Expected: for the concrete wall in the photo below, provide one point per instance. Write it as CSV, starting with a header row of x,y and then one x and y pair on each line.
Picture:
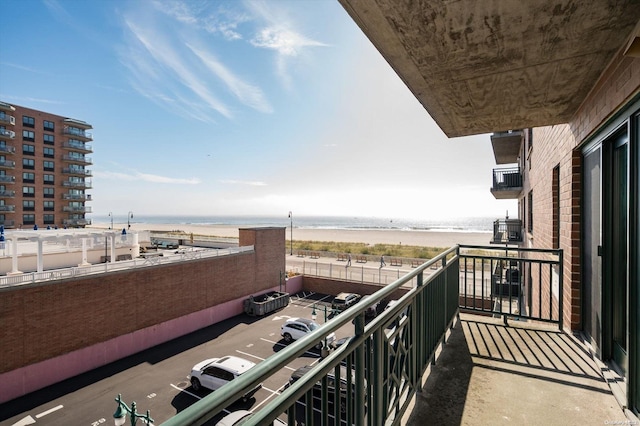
x,y
58,329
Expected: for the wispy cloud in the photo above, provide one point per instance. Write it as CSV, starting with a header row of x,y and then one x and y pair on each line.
x,y
248,94
29,100
24,68
147,177
243,182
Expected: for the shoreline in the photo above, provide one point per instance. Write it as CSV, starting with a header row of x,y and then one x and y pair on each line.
x,y
422,238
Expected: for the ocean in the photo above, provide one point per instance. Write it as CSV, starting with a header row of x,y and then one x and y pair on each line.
x,y
468,224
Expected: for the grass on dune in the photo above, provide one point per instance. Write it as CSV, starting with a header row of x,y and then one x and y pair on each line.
x,y
396,250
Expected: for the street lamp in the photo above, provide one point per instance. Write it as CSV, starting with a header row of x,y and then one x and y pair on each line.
x,y
291,245
111,216
314,315
120,416
129,216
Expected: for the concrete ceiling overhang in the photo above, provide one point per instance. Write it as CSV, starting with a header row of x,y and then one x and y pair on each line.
x,y
485,66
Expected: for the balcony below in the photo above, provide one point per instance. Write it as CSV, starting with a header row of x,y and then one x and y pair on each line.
x,y
507,183
506,146
7,134
507,231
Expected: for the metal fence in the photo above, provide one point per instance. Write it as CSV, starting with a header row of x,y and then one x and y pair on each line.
x,y
381,365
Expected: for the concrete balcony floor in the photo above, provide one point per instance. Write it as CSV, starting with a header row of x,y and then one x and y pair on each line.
x,y
491,374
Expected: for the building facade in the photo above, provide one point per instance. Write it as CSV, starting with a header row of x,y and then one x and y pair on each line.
x,y
43,169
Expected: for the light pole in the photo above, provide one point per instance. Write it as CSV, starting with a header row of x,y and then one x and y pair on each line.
x,y
120,416
111,216
129,216
314,315
291,245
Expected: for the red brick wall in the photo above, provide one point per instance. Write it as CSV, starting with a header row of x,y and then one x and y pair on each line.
x,y
560,145
42,321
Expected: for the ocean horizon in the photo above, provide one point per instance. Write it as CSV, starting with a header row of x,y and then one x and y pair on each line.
x,y
463,224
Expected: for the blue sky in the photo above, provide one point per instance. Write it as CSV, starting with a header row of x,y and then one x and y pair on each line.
x,y
239,108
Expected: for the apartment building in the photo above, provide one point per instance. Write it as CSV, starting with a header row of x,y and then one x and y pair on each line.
x,y
557,84
43,169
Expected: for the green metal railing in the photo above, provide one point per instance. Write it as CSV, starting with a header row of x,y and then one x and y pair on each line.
x,y
382,364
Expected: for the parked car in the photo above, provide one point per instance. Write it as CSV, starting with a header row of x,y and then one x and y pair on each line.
x,y
332,392
216,372
296,328
240,417
372,309
344,301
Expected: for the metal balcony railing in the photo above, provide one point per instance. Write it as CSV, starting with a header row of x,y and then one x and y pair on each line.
x,y
7,179
75,184
77,209
76,222
79,145
77,159
507,183
6,118
74,131
386,359
507,231
7,208
8,149
7,164
5,193
76,197
7,133
76,171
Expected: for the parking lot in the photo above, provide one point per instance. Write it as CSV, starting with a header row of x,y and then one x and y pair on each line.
x,y
158,379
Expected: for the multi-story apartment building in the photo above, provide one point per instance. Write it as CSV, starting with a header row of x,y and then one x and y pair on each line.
x,y
43,169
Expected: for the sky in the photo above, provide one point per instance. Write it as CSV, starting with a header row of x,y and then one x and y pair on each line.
x,y
252,108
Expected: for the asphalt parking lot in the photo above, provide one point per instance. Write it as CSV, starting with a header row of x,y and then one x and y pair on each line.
x,y
158,379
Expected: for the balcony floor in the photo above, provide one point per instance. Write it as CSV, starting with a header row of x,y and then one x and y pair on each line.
x,y
491,374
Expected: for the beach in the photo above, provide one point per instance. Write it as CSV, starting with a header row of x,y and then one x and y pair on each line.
x,y
422,238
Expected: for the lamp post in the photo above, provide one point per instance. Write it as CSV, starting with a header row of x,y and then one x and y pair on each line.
x,y
111,216
291,245
129,216
120,416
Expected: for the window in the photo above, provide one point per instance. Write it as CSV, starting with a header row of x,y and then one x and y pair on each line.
x,y
49,219
49,126
28,219
28,205
28,163
530,215
48,166
28,177
28,149
28,135
48,193
28,191
49,206
555,189
28,121
49,139
49,152
49,179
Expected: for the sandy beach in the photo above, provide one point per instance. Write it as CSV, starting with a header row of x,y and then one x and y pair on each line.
x,y
412,238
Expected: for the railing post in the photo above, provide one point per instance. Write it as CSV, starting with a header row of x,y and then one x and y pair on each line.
x,y
360,362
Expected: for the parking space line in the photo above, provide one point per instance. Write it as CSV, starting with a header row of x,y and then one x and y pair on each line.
x,y
317,301
195,396
261,359
44,413
273,393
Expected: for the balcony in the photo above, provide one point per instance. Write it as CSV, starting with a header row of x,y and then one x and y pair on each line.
x,y
78,133
5,193
69,196
77,209
7,179
77,171
8,149
7,164
77,145
506,146
505,363
507,231
7,223
7,134
507,183
79,159
7,119
7,208
77,184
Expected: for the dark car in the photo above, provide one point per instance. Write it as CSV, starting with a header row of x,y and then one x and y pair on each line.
x,y
344,300
316,392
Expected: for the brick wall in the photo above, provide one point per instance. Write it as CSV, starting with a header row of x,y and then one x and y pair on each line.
x,y
43,321
559,145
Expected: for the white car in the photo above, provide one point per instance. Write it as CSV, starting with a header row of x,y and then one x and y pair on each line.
x,y
240,417
296,328
214,373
